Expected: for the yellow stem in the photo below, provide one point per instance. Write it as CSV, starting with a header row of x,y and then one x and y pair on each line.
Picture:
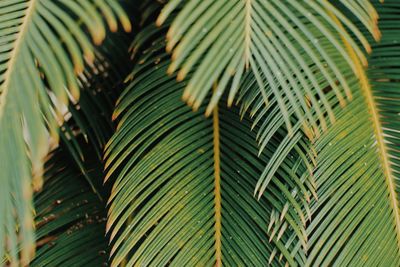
x,y
27,251
247,38
378,130
217,189
14,55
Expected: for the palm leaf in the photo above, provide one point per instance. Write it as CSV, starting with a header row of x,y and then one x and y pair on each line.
x,y
70,219
356,181
194,204
354,223
279,59
278,42
70,212
356,220
89,120
33,60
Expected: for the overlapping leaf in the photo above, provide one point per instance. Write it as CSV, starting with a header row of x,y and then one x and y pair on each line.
x,y
277,41
70,212
279,59
356,219
42,49
70,219
183,190
89,120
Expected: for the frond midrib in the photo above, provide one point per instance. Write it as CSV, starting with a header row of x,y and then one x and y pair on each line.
x,y
382,149
248,30
14,55
217,189
378,134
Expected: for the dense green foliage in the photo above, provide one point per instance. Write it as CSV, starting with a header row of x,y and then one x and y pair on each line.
x,y
199,133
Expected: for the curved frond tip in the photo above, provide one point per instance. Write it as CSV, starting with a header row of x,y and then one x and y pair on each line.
x,y
222,40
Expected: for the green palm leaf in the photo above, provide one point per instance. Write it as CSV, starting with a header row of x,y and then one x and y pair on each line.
x,y
280,59
354,223
278,42
70,219
70,212
356,219
89,120
194,204
42,47
294,174
356,183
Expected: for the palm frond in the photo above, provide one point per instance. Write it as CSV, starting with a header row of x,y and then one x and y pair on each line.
x,y
356,220
70,212
89,120
70,219
279,42
194,204
354,223
279,59
384,77
43,47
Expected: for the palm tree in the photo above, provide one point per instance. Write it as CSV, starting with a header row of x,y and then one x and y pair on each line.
x,y
284,150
